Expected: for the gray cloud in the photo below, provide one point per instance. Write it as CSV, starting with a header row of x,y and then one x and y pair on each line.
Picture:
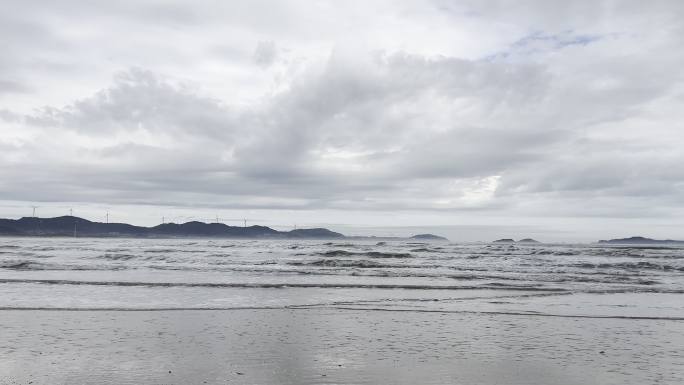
x,y
578,118
265,53
13,86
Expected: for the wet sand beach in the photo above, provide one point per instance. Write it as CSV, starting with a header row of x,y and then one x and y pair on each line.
x,y
142,311
316,346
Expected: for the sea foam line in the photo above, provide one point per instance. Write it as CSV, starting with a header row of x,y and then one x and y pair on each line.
x,y
277,285
344,308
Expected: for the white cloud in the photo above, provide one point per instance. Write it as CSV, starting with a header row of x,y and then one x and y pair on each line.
x,y
545,109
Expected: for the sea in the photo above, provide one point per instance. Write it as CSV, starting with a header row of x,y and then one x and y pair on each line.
x,y
560,297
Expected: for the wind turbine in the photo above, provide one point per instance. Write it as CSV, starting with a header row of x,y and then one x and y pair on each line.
x,y
243,220
36,229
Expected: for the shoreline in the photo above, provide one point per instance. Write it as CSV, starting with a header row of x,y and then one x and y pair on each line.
x,y
342,308
323,345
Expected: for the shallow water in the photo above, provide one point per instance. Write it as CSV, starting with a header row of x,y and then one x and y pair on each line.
x,y
79,310
583,280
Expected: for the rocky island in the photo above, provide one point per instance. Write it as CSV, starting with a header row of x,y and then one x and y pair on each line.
x,y
510,240
640,241
504,240
428,237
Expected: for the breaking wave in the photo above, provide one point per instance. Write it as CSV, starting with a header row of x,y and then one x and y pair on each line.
x,y
370,254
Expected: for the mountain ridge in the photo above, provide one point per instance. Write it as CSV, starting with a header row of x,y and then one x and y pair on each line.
x,y
70,226
75,226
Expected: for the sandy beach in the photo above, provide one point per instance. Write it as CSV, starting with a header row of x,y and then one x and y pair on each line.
x,y
136,311
332,346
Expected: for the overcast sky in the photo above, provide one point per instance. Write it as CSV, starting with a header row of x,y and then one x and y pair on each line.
x,y
560,119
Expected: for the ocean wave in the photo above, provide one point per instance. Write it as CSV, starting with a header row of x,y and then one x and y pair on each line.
x,y
426,250
340,244
635,252
167,251
629,266
118,257
38,266
642,247
565,253
379,254
359,263
42,248
21,265
261,285
224,262
370,254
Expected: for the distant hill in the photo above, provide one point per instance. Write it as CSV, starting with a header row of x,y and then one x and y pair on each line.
x,y
75,226
428,237
313,233
509,240
640,241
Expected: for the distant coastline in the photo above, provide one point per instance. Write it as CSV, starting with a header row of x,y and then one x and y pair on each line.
x,y
71,226
640,241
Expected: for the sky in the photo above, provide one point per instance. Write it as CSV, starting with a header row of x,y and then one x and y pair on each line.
x,y
560,120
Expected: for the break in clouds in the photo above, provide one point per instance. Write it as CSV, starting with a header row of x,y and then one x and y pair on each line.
x,y
448,108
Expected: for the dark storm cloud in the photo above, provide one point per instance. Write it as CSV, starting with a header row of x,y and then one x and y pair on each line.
x,y
544,109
